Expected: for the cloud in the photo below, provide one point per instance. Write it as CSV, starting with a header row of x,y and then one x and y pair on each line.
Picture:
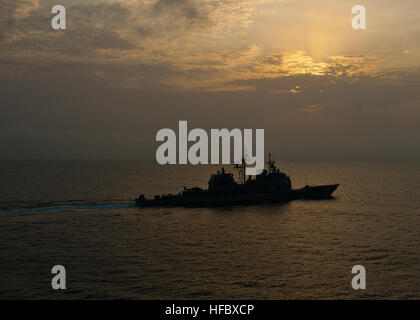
x,y
201,42
121,62
100,15
313,108
189,9
21,8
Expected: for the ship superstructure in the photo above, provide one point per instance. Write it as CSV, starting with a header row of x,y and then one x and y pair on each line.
x,y
271,185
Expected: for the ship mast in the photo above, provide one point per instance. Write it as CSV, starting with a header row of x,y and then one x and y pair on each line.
x,y
241,167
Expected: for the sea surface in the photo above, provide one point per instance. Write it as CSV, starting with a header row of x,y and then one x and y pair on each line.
x,y
80,214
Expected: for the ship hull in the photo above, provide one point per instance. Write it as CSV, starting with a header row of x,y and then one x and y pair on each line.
x,y
210,199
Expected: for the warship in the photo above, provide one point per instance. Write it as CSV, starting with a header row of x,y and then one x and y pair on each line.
x,y
271,185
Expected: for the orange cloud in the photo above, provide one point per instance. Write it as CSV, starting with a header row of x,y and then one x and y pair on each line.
x,y
313,108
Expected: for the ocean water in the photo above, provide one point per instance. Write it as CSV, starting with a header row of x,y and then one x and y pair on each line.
x,y
80,214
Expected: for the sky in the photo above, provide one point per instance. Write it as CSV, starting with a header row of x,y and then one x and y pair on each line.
x,y
123,69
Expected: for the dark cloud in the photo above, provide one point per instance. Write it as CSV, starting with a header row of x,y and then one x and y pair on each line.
x,y
107,15
276,59
182,13
188,8
7,20
89,27
74,43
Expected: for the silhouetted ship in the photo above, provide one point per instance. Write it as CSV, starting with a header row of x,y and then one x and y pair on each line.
x,y
269,186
